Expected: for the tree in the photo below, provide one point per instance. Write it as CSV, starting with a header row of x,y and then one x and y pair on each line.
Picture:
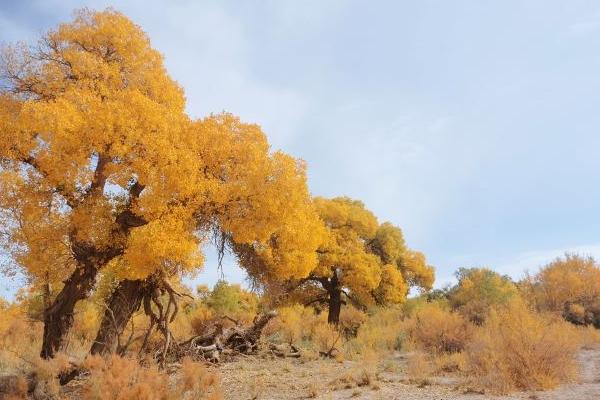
x,y
569,285
477,290
259,203
361,260
88,114
226,298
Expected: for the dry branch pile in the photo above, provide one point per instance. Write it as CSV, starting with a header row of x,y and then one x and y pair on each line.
x,y
218,342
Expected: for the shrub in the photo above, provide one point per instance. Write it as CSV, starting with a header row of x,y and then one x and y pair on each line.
x,y
383,331
351,320
231,300
438,330
19,338
124,379
518,349
327,338
200,317
570,286
294,324
419,368
477,290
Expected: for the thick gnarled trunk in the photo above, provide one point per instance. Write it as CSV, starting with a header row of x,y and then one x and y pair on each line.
x,y
335,305
124,301
58,317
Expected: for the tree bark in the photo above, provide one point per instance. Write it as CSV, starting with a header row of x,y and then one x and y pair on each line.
x,y
124,301
58,317
335,305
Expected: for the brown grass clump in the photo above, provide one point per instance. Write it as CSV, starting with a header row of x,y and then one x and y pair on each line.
x,y
437,330
124,379
362,376
450,362
327,338
419,368
518,349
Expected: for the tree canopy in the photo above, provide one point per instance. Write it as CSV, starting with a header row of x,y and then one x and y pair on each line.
x,y
366,261
102,166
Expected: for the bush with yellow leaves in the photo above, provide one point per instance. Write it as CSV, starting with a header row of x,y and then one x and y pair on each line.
x,y
382,332
519,349
19,337
436,329
119,378
294,325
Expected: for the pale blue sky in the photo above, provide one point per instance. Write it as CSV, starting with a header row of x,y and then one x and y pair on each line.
x,y
474,125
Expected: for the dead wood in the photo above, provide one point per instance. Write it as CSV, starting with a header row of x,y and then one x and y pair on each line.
x,y
218,341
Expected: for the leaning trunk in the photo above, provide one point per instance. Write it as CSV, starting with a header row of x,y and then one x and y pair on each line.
x,y
58,317
124,301
335,305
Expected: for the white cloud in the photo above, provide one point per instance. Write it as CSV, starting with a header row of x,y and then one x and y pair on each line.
x,y
531,261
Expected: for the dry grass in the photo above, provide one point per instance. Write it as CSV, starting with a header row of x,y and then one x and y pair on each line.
x,y
419,368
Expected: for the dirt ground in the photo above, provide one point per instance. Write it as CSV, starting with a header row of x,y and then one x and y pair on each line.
x,y
254,378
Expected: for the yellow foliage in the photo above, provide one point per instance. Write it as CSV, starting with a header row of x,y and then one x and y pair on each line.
x,y
416,270
295,324
438,330
477,290
365,258
101,160
518,349
351,319
569,285
166,243
124,379
381,333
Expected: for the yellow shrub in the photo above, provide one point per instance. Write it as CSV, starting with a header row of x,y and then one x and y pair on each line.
x,y
294,324
86,322
437,330
124,379
20,338
327,337
518,349
351,320
450,362
419,368
382,332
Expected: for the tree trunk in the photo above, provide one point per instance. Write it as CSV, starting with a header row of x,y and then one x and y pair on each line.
x,y
58,318
124,301
335,305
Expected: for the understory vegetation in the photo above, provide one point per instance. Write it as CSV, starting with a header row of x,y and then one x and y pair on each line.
x,y
109,192
515,343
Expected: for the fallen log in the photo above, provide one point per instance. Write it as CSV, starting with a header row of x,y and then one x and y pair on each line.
x,y
211,345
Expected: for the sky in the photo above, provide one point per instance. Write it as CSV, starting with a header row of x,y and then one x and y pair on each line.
x,y
472,125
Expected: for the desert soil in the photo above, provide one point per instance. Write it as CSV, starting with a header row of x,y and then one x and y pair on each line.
x,y
255,378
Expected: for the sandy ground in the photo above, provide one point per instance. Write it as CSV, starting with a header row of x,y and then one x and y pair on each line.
x,y
255,378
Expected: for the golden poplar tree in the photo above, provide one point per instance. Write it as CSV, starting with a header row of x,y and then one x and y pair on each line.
x,y
362,260
102,168
258,201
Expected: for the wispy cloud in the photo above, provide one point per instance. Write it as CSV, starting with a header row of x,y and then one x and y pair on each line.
x,y
531,261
